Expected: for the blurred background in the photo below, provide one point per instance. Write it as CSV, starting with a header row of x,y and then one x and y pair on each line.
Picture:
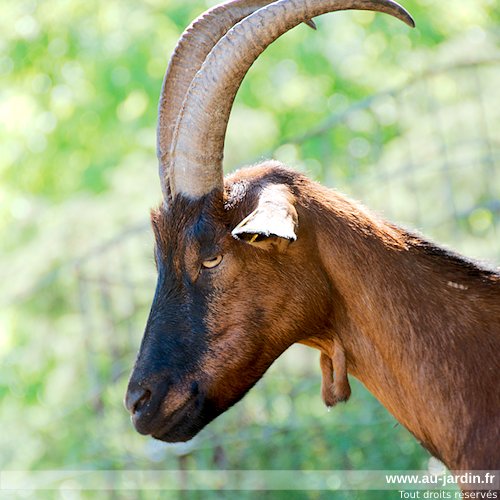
x,y
407,121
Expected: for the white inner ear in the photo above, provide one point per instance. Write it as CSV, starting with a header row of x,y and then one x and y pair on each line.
x,y
275,215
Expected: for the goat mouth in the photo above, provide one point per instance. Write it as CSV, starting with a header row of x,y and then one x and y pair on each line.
x,y
183,424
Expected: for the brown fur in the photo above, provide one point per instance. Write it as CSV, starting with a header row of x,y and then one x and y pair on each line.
x,y
418,326
424,347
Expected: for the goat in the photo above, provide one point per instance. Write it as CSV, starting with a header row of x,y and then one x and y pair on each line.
x,y
265,258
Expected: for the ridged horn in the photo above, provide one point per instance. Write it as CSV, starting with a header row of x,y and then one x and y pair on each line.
x,y
198,141
192,48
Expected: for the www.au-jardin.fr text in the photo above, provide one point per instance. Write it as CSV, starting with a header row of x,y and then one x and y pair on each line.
x,y
466,479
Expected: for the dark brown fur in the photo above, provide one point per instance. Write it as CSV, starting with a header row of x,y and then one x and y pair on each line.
x,y
417,325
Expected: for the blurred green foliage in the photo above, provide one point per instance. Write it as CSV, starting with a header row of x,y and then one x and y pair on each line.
x,y
80,83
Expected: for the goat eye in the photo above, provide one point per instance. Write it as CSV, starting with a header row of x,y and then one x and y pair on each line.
x,y
211,263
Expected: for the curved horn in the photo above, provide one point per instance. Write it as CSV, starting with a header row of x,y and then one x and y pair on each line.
x,y
192,48
198,142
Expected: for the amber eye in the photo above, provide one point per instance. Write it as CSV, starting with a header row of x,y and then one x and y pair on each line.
x,y
211,263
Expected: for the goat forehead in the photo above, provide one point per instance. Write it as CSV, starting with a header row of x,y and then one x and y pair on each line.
x,y
170,226
172,233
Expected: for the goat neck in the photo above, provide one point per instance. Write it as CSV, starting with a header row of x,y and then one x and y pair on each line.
x,y
415,323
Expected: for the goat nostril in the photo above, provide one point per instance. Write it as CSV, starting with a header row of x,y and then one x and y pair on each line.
x,y
137,399
142,401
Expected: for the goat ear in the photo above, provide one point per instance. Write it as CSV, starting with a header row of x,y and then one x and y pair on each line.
x,y
273,223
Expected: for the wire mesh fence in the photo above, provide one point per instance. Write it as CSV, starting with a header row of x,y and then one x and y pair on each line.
x,y
426,155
